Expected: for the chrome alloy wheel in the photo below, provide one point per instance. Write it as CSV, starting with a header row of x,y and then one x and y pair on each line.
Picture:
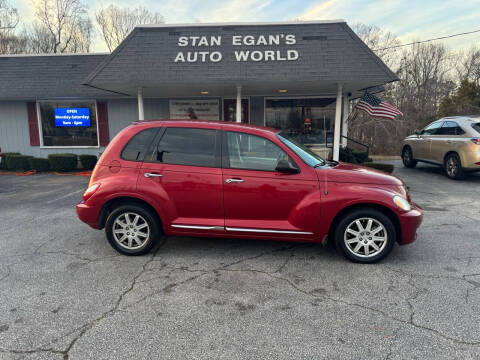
x,y
365,237
452,166
130,230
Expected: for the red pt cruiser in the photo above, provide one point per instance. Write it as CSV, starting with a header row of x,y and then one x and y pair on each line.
x,y
220,179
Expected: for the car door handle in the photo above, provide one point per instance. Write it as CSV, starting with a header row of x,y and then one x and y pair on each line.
x,y
147,175
228,181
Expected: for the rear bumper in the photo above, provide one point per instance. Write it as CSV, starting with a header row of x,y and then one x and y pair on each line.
x,y
88,214
410,221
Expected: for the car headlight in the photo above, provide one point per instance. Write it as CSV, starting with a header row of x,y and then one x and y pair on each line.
x,y
402,203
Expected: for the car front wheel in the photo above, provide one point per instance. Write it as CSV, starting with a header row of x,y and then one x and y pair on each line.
x,y
132,229
365,235
453,167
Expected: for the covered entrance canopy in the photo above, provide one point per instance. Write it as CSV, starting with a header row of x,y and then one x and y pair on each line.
x,y
293,60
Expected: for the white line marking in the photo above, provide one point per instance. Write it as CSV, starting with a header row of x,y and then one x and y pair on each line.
x,y
64,196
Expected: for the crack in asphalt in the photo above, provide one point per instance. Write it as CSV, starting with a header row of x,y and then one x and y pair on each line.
x,y
203,272
411,322
473,283
82,330
392,341
225,268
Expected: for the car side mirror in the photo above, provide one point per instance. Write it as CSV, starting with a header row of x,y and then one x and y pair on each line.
x,y
285,167
418,132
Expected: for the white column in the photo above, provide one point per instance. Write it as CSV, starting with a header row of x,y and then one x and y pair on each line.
x,y
338,118
346,112
141,112
239,104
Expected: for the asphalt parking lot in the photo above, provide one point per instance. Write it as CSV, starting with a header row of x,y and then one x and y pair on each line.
x,y
65,293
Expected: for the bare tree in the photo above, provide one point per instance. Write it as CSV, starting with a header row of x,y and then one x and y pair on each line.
x,y
62,26
8,16
116,22
10,42
467,65
380,41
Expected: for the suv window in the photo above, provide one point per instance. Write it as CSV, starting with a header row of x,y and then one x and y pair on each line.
x,y
432,128
137,146
476,127
187,146
251,152
450,128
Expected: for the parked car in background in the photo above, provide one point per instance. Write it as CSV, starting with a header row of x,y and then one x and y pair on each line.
x,y
221,179
451,142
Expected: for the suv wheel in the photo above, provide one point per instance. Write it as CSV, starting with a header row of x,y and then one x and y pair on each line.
x,y
407,157
132,229
453,167
365,235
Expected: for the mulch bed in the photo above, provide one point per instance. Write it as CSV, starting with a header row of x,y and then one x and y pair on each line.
x,y
33,172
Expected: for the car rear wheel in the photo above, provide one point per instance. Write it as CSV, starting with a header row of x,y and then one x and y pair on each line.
x,y
453,167
132,229
365,235
407,157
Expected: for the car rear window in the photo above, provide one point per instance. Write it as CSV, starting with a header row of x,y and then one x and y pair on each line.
x,y
476,127
138,145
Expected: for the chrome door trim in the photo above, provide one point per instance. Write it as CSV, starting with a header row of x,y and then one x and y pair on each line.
x,y
197,227
269,231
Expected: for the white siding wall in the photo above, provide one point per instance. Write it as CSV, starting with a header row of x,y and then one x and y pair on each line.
x,y
121,113
14,134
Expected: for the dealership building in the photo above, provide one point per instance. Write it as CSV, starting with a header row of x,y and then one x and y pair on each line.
x,y
295,76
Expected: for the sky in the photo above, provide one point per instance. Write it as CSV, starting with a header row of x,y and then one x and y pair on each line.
x,y
409,20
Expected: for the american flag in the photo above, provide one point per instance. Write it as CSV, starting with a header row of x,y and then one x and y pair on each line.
x,y
375,107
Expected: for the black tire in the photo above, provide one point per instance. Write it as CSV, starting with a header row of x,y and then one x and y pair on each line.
x,y
407,157
453,167
145,217
363,214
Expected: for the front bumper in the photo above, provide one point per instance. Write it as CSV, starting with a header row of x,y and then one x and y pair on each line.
x,y
88,214
409,222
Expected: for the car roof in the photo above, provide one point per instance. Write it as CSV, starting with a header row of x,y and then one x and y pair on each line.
x,y
460,118
225,125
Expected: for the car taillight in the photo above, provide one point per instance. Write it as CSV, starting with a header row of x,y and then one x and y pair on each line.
x,y
90,191
476,141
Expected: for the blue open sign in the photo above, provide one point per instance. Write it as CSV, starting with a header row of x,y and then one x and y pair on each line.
x,y
72,117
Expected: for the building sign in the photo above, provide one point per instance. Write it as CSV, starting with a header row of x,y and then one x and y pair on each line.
x,y
194,109
210,48
72,117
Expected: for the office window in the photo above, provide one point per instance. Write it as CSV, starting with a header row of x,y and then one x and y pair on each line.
x,y
68,124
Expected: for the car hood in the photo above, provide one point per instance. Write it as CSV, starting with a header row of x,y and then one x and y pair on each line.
x,y
350,173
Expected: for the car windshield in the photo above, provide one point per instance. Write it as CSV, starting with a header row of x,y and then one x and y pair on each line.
x,y
307,155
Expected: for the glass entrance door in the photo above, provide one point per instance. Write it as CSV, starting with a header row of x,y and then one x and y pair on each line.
x,y
230,110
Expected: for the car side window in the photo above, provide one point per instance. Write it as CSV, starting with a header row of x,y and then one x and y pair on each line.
x,y
432,128
187,146
450,128
251,152
476,127
137,146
